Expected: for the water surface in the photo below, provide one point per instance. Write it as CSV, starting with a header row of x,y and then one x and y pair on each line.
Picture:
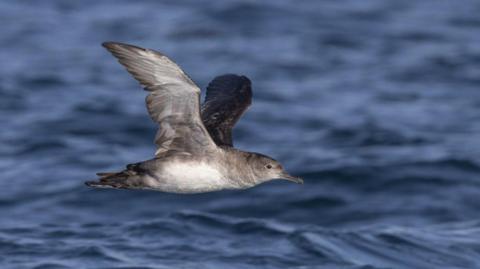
x,y
375,103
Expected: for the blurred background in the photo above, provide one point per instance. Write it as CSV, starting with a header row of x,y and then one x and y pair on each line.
x,y
375,103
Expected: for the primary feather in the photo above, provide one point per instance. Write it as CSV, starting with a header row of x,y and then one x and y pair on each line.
x,y
173,102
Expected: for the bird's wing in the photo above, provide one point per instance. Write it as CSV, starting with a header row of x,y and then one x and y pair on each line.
x,y
173,100
228,97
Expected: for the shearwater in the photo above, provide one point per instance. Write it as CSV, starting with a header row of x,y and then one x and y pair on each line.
x,y
195,151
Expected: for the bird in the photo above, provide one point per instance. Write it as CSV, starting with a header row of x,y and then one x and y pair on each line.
x,y
195,151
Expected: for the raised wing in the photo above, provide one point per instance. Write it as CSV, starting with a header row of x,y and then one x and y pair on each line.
x,y
228,96
173,102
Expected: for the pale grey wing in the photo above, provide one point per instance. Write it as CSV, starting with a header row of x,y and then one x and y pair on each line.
x,y
228,97
173,102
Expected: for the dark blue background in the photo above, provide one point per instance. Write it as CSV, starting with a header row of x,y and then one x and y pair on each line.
x,y
375,103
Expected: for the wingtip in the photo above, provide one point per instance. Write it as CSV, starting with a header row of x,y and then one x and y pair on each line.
x,y
243,79
108,44
112,45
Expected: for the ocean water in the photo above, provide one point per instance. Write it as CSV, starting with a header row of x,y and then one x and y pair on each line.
x,y
376,104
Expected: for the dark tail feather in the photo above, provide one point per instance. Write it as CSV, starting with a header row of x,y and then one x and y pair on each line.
x,y
110,180
128,178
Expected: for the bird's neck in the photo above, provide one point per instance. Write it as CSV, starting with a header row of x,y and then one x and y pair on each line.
x,y
237,167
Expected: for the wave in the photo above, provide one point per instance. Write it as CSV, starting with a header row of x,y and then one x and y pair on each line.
x,y
190,237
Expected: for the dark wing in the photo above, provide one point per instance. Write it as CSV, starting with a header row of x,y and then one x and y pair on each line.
x,y
228,96
173,101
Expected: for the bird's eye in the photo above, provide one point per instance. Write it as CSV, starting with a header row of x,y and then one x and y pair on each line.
x,y
268,166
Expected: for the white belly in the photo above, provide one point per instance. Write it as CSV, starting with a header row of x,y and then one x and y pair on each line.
x,y
190,178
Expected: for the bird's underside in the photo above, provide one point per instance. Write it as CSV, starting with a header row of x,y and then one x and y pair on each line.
x,y
194,143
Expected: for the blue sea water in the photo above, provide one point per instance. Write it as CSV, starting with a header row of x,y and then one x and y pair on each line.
x,y
376,104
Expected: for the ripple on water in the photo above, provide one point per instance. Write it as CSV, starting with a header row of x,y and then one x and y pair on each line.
x,y
373,104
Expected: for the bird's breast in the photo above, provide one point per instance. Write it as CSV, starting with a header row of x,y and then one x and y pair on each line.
x,y
190,177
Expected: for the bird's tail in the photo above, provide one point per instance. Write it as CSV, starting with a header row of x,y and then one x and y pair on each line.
x,y
109,180
119,180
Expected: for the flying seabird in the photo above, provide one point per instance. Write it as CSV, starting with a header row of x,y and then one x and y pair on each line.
x,y
195,150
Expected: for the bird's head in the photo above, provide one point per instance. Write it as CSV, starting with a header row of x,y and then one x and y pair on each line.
x,y
266,169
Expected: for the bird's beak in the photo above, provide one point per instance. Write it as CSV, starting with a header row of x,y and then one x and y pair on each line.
x,y
292,178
